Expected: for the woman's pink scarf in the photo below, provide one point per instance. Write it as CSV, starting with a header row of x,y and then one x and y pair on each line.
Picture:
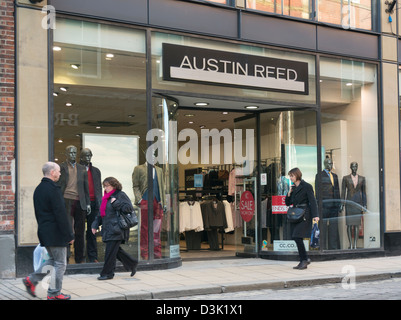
x,y
104,202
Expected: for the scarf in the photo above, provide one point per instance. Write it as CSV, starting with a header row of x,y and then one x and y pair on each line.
x,y
104,202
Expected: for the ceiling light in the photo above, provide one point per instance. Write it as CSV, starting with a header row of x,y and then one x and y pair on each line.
x,y
60,140
189,115
75,66
202,126
251,107
55,94
56,48
109,55
190,122
348,84
68,104
63,89
225,112
201,104
98,127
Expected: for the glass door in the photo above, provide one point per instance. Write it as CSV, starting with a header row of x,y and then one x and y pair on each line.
x,y
245,189
287,140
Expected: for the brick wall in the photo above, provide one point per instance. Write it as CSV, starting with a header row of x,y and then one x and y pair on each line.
x,y
7,115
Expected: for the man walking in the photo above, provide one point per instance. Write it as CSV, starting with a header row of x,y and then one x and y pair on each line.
x,y
54,232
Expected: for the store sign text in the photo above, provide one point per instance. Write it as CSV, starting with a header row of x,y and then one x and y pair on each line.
x,y
189,64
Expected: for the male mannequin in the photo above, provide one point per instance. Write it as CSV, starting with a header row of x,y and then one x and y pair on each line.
x,y
95,195
353,189
74,187
140,188
330,194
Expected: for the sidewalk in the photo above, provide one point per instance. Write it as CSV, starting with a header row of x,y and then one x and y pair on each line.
x,y
210,277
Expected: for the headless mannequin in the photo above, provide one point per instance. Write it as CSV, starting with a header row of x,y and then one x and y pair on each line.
x,y
353,230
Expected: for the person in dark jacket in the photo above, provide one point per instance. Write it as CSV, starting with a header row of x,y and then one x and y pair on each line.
x,y
114,201
301,194
54,233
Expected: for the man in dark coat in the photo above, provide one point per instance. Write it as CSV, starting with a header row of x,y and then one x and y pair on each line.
x,y
54,233
95,195
331,205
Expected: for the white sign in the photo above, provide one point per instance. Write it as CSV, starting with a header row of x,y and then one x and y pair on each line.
x,y
288,245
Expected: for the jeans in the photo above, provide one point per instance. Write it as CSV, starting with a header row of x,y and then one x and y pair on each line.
x,y
55,266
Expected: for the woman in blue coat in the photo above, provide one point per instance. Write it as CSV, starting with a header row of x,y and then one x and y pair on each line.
x,y
301,193
113,201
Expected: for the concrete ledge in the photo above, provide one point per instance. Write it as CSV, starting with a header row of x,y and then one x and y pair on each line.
x,y
186,291
105,296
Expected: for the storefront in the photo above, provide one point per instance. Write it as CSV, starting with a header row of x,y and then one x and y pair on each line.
x,y
223,120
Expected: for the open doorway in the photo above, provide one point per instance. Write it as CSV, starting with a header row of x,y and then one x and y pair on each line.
x,y
207,190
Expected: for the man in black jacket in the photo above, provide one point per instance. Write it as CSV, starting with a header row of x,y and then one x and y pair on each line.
x,y
54,233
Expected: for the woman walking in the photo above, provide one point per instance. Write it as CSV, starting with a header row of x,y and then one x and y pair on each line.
x,y
114,201
301,194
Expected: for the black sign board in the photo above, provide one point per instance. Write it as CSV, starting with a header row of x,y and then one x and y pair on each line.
x,y
190,64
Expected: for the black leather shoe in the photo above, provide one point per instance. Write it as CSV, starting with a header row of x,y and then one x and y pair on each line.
x,y
303,265
104,277
133,271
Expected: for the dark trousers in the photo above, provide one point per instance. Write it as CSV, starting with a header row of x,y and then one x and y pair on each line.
x,y
91,244
114,252
77,217
301,249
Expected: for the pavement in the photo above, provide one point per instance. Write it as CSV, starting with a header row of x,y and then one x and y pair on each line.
x,y
211,277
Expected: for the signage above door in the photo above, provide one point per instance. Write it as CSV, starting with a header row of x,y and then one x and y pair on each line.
x,y
191,64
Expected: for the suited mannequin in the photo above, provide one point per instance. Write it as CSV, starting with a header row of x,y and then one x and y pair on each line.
x,y
353,189
95,195
140,188
74,187
330,195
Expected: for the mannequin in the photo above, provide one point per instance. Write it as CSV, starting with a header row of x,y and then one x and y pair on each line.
x,y
330,194
74,187
140,188
95,195
353,189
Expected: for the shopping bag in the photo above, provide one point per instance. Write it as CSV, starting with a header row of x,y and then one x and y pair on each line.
x,y
40,255
314,241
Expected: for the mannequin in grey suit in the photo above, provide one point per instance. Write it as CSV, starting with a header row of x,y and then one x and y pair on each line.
x,y
354,190
74,187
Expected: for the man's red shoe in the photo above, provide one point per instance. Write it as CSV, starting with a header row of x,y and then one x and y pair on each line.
x,y
30,287
61,296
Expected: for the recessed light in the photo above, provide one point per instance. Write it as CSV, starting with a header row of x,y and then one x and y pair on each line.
x,y
98,127
63,89
202,126
348,84
189,115
225,112
60,140
56,48
75,66
131,115
201,104
251,107
190,122
109,55
55,94
68,104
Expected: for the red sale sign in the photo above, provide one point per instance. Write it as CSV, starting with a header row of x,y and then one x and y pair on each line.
x,y
278,205
247,206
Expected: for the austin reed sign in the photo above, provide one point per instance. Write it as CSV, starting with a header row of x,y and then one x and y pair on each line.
x,y
190,64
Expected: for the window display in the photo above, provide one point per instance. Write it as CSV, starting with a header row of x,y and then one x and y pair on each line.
x,y
349,111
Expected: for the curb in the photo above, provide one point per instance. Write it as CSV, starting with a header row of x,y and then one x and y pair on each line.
x,y
236,287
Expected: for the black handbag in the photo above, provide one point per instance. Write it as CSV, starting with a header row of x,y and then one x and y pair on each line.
x,y
127,220
296,214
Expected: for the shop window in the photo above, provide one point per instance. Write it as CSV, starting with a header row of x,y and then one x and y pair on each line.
x,y
100,104
349,125
298,8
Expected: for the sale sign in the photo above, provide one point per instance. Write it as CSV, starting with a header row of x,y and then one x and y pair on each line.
x,y
278,205
247,206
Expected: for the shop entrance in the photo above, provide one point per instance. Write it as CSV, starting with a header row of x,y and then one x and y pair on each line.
x,y
212,223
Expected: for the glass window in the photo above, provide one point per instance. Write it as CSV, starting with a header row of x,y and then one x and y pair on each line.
x,y
354,14
349,119
100,104
288,140
300,8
